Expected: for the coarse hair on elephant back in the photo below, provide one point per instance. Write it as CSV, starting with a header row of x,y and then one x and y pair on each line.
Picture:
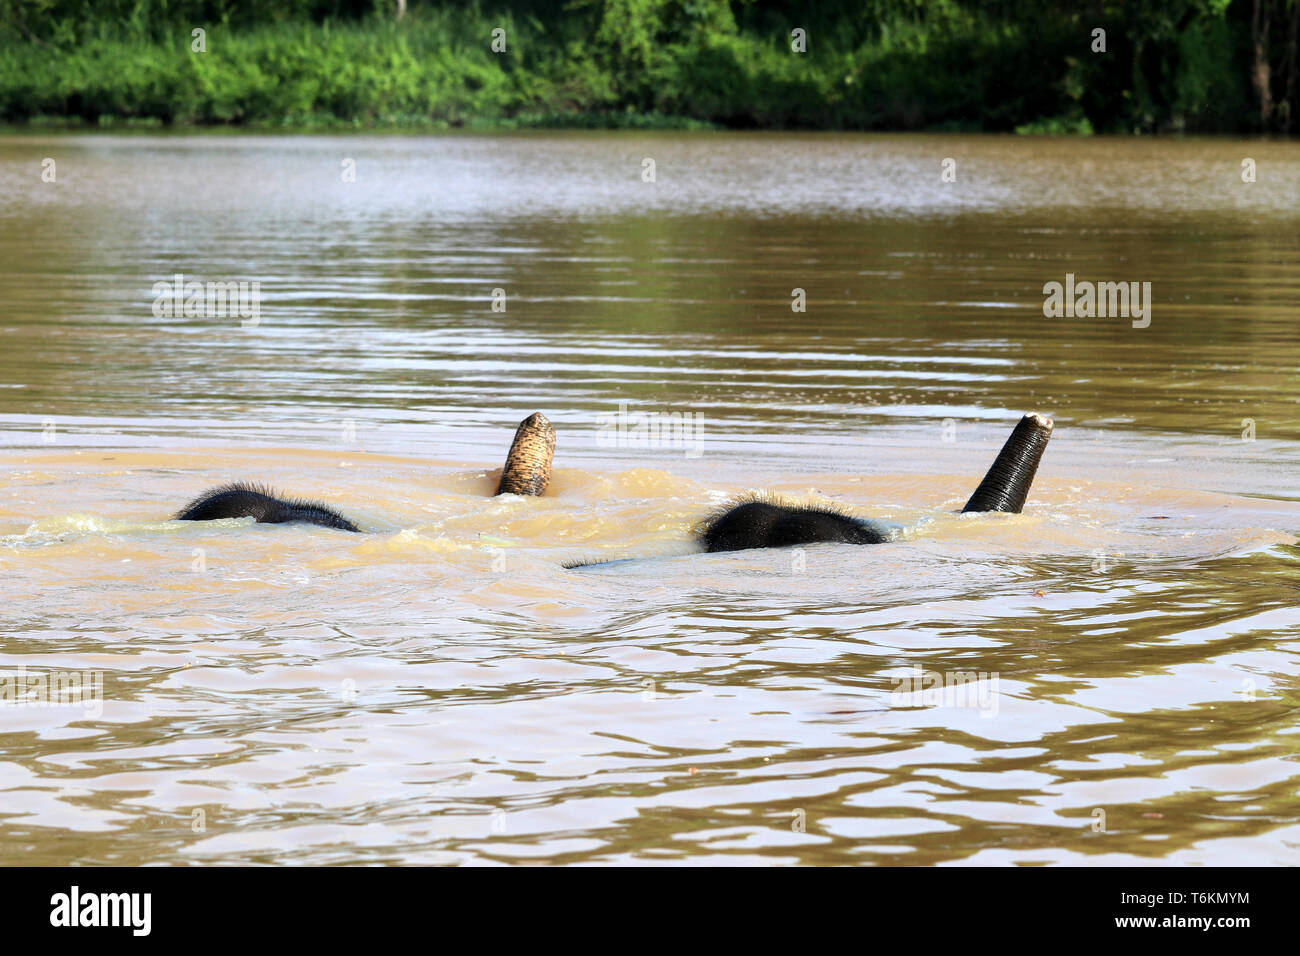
x,y
768,521
242,500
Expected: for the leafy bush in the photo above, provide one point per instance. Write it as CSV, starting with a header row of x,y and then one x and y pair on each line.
x,y
869,64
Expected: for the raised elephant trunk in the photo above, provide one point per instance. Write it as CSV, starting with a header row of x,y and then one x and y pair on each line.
x,y
528,465
1006,485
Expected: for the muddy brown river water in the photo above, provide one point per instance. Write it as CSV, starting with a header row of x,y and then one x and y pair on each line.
x,y
1111,677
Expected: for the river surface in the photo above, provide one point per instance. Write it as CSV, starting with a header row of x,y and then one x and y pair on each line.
x,y
1112,677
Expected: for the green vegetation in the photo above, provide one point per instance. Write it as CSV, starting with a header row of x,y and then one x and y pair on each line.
x,y
997,65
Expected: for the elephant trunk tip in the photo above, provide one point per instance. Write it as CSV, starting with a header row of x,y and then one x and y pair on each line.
x,y
527,469
1006,485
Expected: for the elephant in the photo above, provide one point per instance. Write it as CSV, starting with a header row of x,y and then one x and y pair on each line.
x,y
757,522
527,471
242,500
751,522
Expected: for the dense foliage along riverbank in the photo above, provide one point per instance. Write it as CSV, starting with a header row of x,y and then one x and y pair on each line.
x,y
1167,65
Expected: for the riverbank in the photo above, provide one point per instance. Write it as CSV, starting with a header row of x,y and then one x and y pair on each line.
x,y
613,65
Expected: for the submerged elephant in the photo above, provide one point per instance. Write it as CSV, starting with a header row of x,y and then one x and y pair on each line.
x,y
527,471
241,500
756,522
751,523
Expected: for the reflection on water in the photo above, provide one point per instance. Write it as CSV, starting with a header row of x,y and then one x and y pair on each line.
x,y
442,689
